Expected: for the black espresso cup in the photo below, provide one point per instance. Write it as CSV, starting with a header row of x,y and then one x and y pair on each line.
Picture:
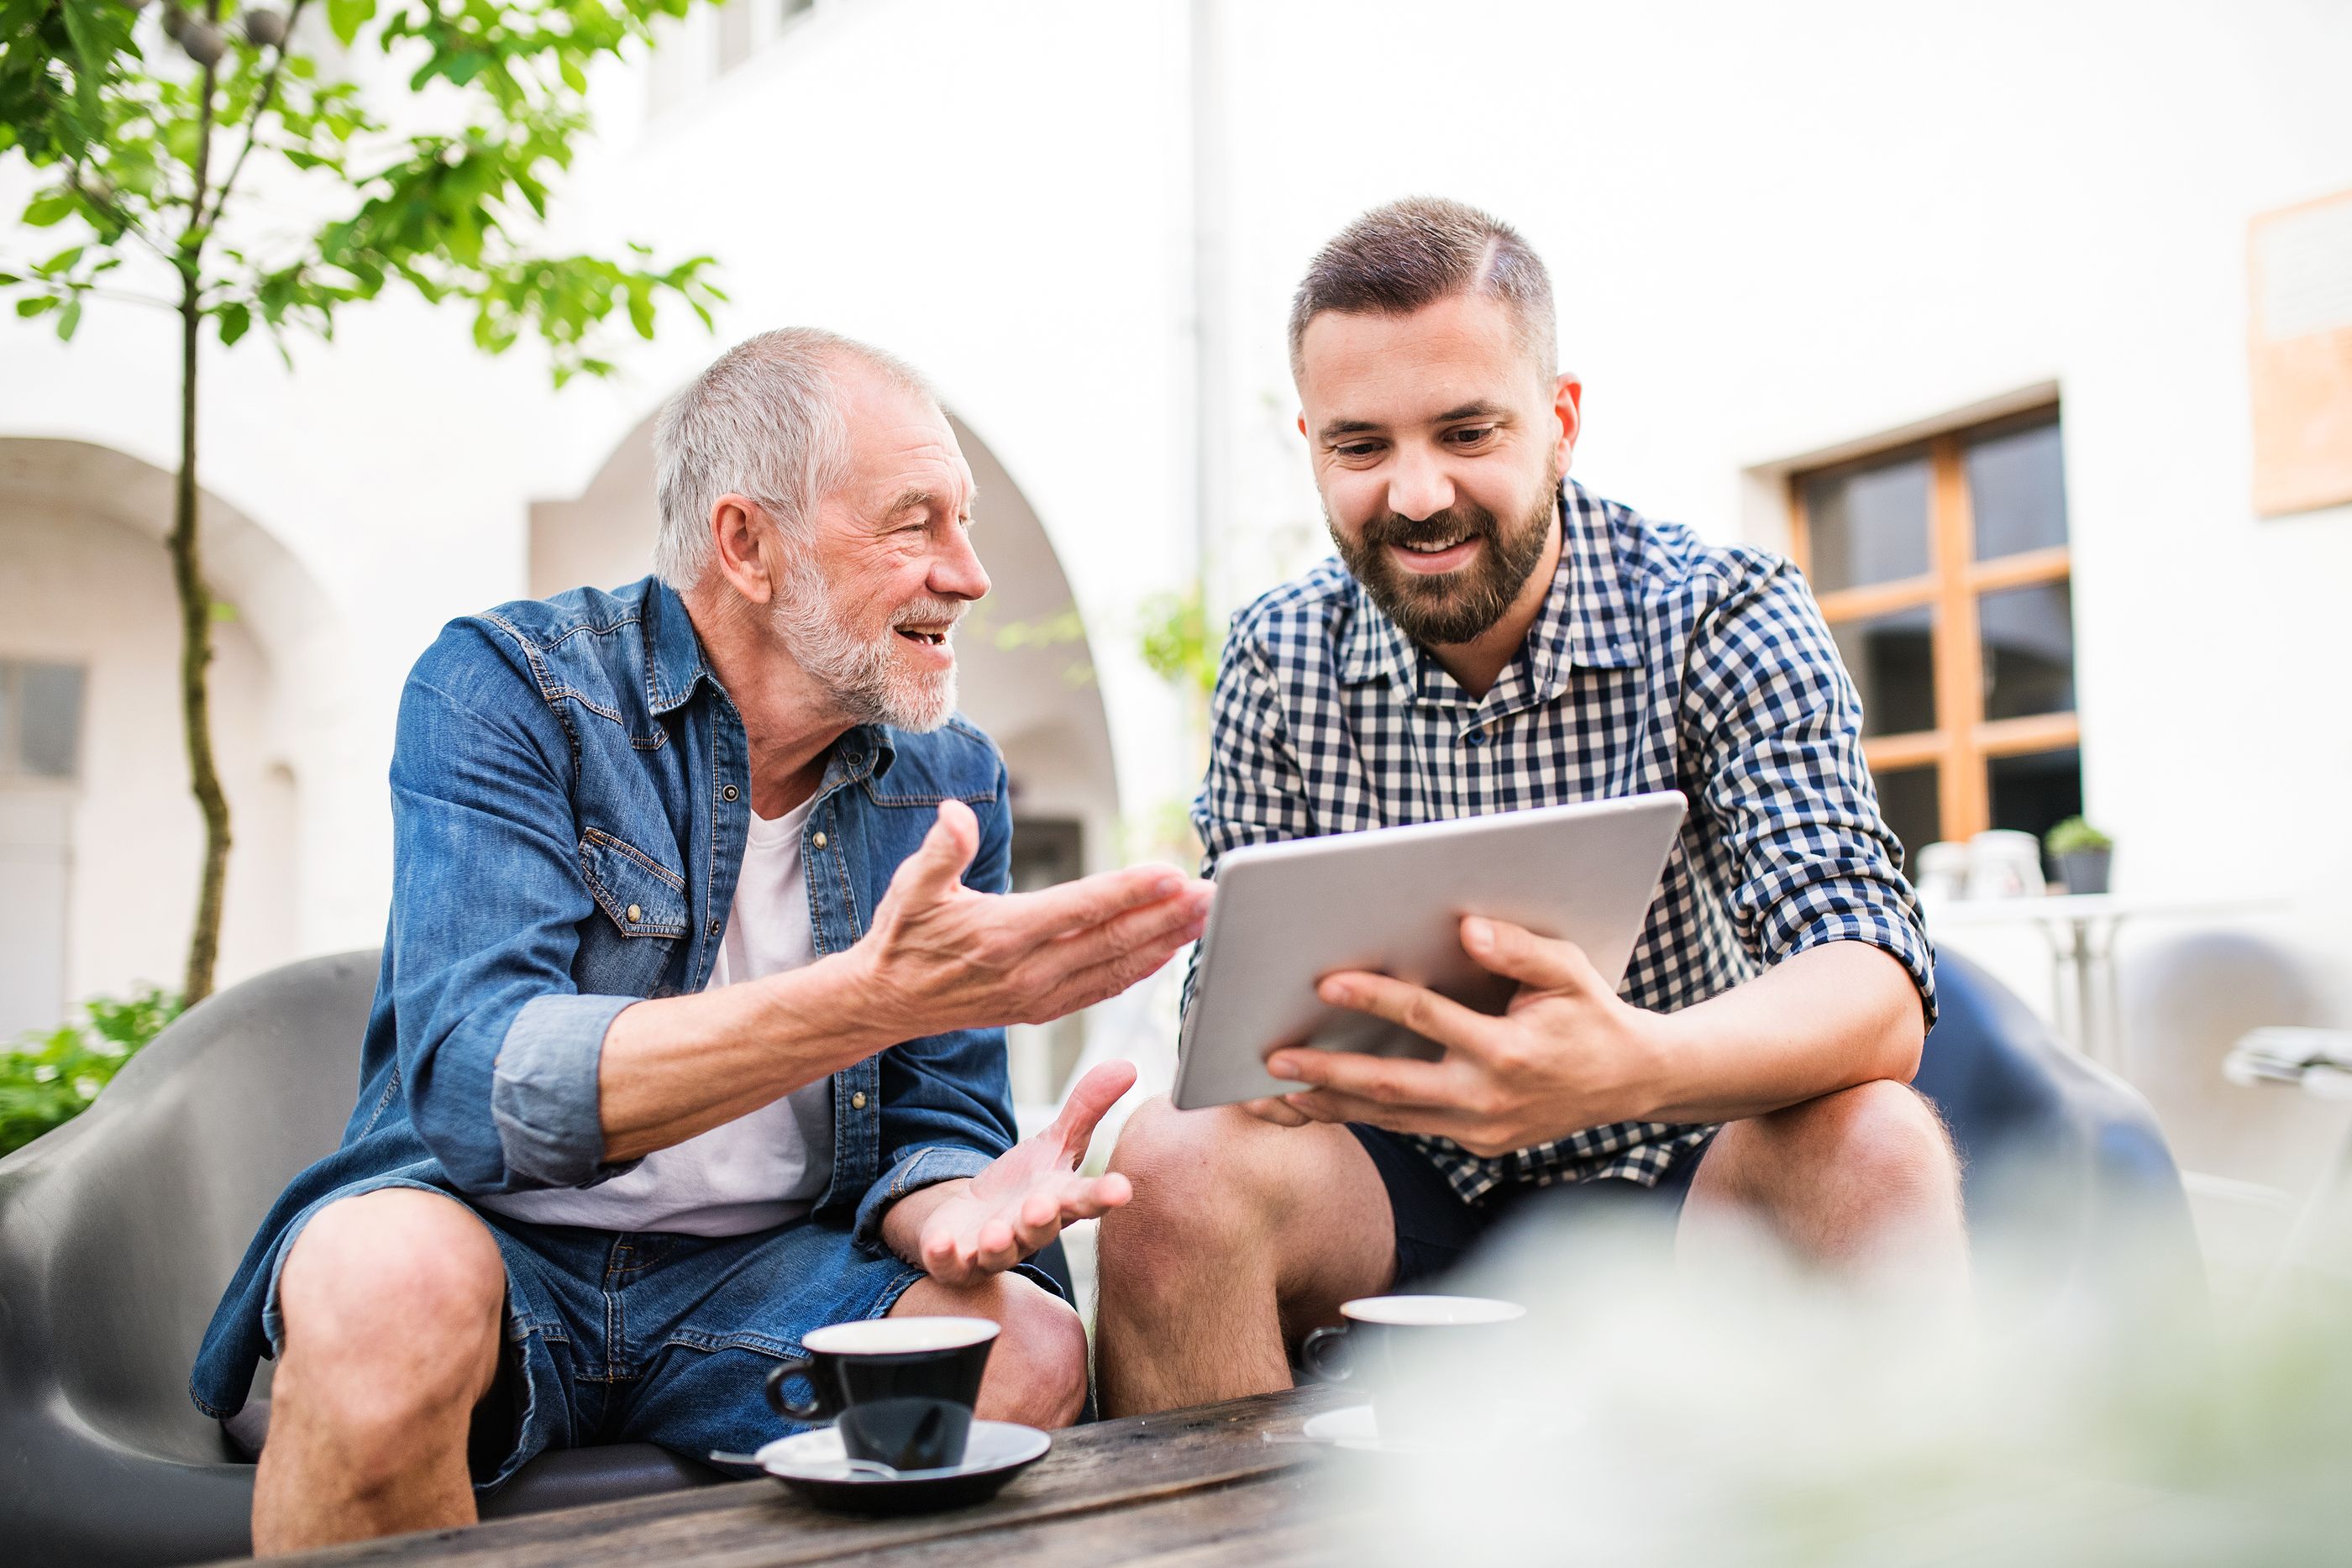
x,y
900,1390
1427,1362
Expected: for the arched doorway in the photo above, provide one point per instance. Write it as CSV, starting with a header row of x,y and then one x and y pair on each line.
x,y
1025,675
97,834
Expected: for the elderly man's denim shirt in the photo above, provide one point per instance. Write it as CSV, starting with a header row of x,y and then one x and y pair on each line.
x,y
570,794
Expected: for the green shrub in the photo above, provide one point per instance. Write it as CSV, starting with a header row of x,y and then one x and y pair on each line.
x,y
49,1078
2074,835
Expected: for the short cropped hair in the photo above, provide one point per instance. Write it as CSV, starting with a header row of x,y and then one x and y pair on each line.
x,y
1397,259
763,421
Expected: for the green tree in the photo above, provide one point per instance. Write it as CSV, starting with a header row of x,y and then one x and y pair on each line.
x,y
170,144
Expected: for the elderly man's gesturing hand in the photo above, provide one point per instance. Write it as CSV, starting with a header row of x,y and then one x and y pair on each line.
x,y
959,1230
942,956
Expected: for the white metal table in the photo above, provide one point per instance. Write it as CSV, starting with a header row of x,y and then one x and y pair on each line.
x,y
2081,928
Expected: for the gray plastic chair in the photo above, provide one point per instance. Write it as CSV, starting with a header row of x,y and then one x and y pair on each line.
x,y
118,1233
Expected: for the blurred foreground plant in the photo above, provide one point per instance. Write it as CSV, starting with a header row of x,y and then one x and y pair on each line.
x,y
231,165
48,1080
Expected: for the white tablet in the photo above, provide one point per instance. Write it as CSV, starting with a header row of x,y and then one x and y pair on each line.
x,y
1391,901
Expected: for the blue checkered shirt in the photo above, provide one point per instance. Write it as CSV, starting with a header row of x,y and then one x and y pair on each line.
x,y
1659,662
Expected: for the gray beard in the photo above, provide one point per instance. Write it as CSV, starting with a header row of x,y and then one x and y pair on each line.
x,y
859,675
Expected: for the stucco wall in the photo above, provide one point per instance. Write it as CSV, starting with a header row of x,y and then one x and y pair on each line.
x,y
1772,228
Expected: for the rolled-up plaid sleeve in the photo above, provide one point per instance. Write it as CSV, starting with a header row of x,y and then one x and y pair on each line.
x,y
1772,753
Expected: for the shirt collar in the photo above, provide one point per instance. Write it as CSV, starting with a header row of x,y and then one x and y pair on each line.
x,y
1587,619
674,661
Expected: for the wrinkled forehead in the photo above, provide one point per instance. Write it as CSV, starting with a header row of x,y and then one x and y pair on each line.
x,y
1396,370
899,442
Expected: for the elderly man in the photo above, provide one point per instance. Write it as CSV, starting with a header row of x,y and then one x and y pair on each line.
x,y
1494,637
688,1036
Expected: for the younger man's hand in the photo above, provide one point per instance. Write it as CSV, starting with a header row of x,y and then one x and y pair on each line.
x,y
1567,1054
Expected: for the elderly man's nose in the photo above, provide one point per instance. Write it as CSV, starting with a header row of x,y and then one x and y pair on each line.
x,y
956,572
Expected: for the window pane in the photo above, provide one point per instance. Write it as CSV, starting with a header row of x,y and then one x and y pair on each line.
x,y
2034,794
1892,660
2017,491
1867,524
2029,650
1906,798
49,712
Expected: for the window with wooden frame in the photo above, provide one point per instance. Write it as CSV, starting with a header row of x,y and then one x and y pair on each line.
x,y
1943,568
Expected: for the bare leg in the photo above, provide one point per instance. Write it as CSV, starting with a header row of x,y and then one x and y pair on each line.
x,y
1862,1181
1242,1236
393,1304
1037,1368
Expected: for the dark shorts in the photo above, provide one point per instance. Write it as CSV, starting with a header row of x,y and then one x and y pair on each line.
x,y
1436,1228
639,1337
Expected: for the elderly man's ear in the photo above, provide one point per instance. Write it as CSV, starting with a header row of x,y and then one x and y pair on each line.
x,y
742,537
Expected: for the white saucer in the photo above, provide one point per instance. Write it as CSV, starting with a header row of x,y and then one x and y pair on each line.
x,y
1350,1427
1353,1427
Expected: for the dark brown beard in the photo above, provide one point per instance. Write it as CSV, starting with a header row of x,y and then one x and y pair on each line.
x,y
1460,605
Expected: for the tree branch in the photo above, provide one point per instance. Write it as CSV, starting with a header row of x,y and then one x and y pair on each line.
x,y
113,210
192,238
260,107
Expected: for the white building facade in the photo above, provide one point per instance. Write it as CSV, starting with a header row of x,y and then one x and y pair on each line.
x,y
1780,236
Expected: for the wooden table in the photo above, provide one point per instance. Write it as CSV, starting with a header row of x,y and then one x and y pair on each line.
x,y
1197,1485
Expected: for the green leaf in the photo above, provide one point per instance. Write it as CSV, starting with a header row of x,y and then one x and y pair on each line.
x,y
63,261
235,321
89,68
40,306
48,208
68,319
346,17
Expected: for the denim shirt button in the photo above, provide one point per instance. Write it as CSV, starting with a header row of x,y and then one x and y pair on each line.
x,y
818,841
728,793
857,1100
636,912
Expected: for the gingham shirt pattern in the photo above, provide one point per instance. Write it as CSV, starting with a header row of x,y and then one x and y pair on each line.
x,y
1658,663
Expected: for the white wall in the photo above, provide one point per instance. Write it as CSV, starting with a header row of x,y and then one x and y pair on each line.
x,y
82,589
1772,228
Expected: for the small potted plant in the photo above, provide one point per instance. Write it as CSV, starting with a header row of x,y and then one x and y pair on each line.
x,y
2083,855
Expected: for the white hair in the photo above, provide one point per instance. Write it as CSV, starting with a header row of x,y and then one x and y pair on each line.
x,y
764,423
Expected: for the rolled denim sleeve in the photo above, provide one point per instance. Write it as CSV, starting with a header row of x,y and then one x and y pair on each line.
x,y
544,1095
498,1050
947,1099
913,1170
1775,725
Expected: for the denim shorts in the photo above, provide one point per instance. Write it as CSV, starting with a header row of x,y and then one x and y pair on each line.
x,y
643,1337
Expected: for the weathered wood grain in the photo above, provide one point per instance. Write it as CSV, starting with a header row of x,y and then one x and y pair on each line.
x,y
1093,1481
1289,1517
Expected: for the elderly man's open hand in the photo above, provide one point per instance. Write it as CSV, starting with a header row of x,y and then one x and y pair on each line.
x,y
941,957
961,1230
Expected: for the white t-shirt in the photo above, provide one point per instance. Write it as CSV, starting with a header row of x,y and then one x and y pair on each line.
x,y
760,1170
